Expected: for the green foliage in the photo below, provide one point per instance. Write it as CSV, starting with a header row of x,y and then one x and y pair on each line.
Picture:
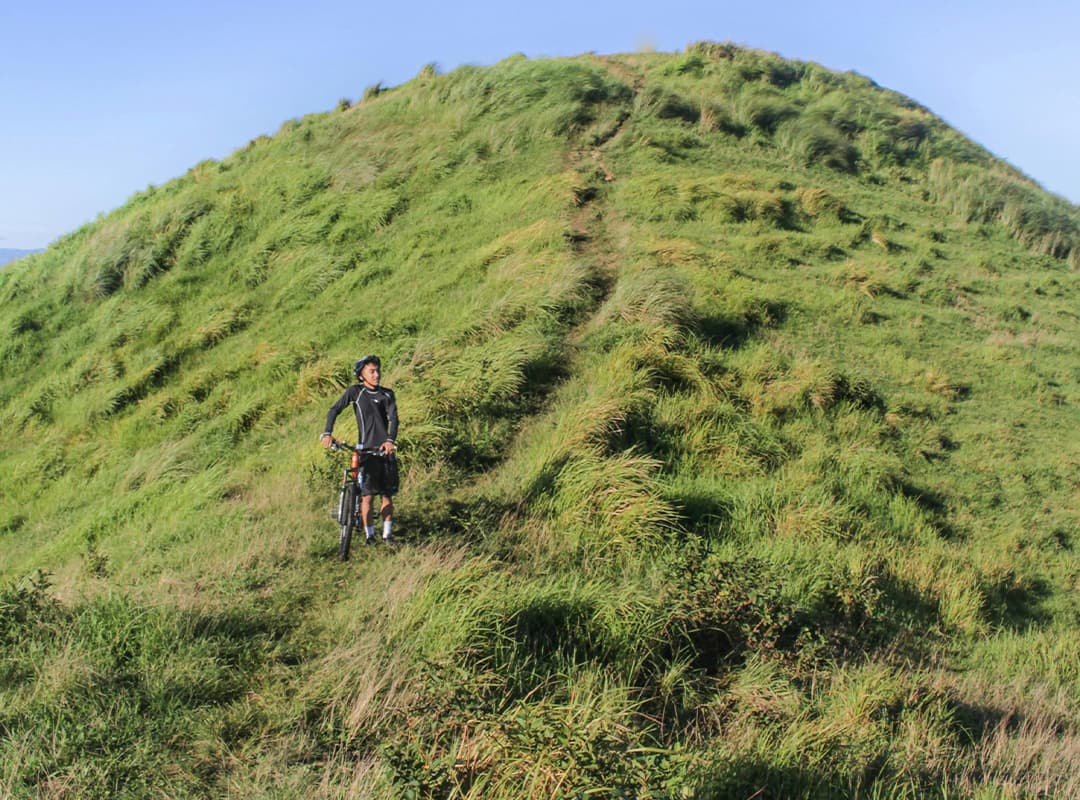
x,y
820,144
121,693
1046,224
738,419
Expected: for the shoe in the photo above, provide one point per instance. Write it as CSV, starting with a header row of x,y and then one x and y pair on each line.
x,y
390,540
369,540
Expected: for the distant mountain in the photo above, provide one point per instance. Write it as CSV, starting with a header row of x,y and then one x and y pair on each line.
x,y
8,254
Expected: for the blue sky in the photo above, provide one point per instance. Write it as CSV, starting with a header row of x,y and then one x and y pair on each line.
x,y
99,100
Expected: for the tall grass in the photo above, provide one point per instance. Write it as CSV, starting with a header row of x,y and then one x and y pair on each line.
x,y
738,409
1044,223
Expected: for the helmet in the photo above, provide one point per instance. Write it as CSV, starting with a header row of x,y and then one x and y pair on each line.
x,y
359,365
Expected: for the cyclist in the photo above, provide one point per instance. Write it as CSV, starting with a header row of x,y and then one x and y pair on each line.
x,y
377,424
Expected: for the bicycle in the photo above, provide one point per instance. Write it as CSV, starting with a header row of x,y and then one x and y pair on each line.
x,y
349,496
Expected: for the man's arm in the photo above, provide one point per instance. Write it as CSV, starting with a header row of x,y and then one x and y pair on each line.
x,y
391,417
391,423
332,415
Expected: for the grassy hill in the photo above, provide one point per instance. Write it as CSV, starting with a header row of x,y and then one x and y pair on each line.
x,y
739,445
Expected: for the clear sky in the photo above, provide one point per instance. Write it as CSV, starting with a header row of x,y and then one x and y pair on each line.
x,y
100,99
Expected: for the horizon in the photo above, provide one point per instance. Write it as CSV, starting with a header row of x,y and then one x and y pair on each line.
x,y
224,75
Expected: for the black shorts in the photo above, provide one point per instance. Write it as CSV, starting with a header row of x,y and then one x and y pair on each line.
x,y
380,476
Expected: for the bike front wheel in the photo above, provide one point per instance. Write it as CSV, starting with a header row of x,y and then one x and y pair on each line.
x,y
347,517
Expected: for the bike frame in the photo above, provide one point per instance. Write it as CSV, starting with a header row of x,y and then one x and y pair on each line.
x,y
349,496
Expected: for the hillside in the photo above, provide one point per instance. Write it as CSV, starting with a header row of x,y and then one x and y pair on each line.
x,y
740,454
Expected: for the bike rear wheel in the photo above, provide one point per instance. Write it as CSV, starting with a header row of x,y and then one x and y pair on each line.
x,y
347,517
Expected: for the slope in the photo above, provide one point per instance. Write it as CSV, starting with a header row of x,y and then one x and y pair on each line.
x,y
739,441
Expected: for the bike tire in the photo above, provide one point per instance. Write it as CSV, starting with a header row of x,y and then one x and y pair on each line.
x,y
341,517
348,521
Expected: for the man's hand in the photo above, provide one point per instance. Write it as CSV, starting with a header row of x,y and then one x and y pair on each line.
x,y
388,448
327,440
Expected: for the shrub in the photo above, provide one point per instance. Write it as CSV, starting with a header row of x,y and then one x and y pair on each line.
x,y
819,143
667,105
719,117
764,108
820,204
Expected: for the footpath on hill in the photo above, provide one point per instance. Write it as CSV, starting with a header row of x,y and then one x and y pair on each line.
x,y
739,405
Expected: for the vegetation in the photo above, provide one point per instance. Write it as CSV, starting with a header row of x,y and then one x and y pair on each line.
x,y
739,452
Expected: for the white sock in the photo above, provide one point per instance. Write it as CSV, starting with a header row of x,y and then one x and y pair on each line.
x,y
386,524
370,531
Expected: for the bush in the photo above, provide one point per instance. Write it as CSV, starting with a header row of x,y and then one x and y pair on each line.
x,y
667,105
819,143
764,108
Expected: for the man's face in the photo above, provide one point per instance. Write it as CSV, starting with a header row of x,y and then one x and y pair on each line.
x,y
370,374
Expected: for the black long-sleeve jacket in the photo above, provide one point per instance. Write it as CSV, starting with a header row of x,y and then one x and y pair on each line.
x,y
376,414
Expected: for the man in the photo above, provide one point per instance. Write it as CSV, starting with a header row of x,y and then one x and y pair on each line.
x,y
377,424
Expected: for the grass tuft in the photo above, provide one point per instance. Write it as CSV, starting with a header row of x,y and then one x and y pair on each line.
x,y
738,419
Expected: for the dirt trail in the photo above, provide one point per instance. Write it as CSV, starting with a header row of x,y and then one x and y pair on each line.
x,y
596,233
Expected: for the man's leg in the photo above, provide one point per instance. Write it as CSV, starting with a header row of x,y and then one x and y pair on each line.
x,y
365,516
387,512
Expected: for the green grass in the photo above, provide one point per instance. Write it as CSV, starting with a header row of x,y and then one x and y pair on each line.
x,y
739,411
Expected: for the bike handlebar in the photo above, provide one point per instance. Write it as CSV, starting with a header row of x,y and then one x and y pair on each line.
x,y
337,444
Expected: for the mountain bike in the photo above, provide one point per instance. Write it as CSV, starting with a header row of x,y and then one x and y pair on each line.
x,y
350,494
